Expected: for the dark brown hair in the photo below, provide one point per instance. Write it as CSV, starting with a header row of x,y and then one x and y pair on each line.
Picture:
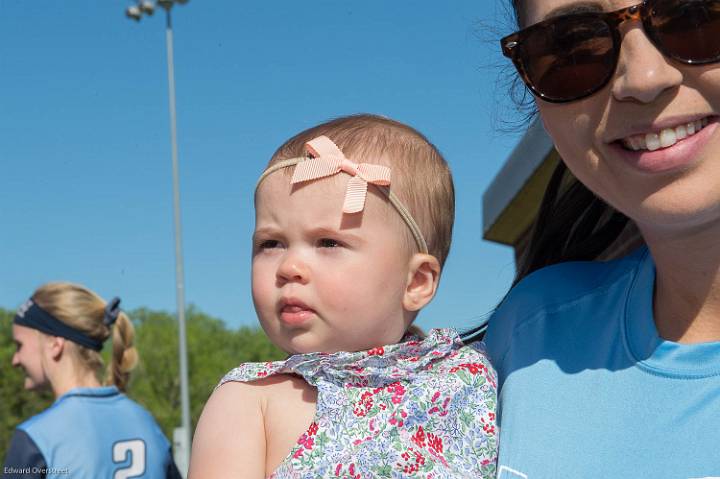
x,y
573,224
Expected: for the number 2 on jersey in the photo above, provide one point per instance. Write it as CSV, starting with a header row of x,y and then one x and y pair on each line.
x,y
134,448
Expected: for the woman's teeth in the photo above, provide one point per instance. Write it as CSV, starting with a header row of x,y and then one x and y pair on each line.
x,y
667,137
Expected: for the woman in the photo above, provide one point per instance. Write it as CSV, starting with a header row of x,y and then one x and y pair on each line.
x,y
612,369
91,430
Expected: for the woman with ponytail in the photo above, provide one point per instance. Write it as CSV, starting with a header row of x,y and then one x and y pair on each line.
x,y
92,430
610,368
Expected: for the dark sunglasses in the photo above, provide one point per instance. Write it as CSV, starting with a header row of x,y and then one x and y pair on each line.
x,y
570,57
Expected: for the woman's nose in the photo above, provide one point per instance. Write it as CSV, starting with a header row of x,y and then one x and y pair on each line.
x,y
293,268
643,72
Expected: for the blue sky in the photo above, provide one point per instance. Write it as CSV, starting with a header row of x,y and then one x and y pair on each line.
x,y
85,165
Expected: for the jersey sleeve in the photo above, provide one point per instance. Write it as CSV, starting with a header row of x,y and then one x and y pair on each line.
x,y
24,459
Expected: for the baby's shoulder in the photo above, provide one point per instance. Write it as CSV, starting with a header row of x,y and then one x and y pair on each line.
x,y
287,405
282,386
269,391
218,449
285,398
262,389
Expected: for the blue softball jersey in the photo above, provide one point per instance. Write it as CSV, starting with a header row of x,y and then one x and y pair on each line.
x,y
589,390
90,433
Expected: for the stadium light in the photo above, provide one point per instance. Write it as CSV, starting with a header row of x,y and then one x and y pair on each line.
x,y
147,7
134,13
181,435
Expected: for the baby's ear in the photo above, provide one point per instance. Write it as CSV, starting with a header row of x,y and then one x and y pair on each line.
x,y
423,278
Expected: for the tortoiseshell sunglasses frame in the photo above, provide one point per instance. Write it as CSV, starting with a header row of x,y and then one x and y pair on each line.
x,y
642,12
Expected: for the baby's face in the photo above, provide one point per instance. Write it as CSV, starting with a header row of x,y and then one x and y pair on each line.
x,y
323,280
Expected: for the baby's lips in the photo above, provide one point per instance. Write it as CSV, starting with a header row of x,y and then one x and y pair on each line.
x,y
293,305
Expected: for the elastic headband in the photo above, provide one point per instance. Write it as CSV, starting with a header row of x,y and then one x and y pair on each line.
x,y
33,316
328,160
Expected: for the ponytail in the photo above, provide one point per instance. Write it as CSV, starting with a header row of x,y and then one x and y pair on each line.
x,y
124,356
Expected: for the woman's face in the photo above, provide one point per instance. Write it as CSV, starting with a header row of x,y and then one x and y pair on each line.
x,y
607,138
29,356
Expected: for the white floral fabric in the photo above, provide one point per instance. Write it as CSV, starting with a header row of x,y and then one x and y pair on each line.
x,y
422,408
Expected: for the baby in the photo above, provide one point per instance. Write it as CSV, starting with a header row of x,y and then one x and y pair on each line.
x,y
352,226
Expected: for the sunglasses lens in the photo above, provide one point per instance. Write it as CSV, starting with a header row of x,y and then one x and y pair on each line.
x,y
568,58
687,30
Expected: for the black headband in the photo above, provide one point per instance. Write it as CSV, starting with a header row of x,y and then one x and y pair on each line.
x,y
33,316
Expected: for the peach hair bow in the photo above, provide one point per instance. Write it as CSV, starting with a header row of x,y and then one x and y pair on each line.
x,y
327,160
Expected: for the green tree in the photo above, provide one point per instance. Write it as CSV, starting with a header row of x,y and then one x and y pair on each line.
x,y
213,349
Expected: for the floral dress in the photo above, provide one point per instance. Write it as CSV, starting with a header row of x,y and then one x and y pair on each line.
x,y
421,408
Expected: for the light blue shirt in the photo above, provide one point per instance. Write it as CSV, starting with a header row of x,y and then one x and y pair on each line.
x,y
90,433
589,389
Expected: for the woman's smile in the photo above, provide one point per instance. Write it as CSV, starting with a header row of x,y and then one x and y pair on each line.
x,y
668,149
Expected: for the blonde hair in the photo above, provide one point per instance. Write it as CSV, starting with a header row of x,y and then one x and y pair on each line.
x,y
84,310
420,175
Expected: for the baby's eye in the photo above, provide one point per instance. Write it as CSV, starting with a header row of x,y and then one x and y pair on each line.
x,y
328,243
268,244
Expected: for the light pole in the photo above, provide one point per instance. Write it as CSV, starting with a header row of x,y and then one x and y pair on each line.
x,y
181,436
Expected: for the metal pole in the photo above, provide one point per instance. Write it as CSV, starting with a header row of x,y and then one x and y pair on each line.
x,y
179,270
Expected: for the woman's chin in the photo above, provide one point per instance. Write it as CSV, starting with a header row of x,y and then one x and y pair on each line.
x,y
682,202
682,217
31,385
